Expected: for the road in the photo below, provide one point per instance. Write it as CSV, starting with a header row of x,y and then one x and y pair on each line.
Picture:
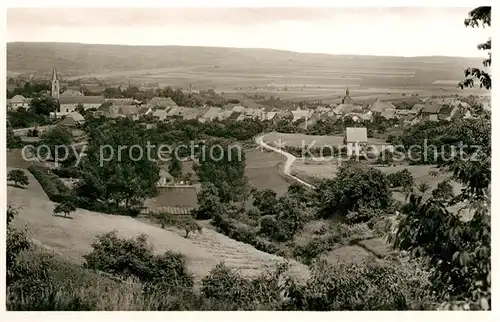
x,y
290,158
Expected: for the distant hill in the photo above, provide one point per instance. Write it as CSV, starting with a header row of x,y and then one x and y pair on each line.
x,y
74,59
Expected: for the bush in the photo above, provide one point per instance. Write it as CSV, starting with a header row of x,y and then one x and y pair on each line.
x,y
67,172
367,286
51,184
134,257
402,179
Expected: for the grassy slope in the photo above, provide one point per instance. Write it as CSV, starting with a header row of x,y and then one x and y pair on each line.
x,y
72,238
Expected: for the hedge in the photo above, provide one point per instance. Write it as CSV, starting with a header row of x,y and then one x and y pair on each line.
x,y
55,189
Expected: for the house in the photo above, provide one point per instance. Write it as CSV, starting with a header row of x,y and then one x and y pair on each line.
x,y
190,113
143,111
430,112
368,116
299,114
160,114
403,114
417,108
234,116
210,115
68,104
356,139
161,102
18,101
449,112
128,110
389,113
270,116
174,111
107,110
378,107
73,119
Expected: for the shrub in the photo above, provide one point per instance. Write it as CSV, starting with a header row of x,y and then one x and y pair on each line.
x,y
134,257
51,184
367,286
402,179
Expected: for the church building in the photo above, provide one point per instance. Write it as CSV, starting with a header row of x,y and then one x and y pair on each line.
x,y
68,102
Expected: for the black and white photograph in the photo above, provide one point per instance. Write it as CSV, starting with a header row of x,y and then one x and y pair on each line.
x,y
247,158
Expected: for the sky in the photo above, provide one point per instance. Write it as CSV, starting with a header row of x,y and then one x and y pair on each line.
x,y
383,31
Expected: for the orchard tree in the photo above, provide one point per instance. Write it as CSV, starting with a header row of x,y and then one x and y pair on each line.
x,y
65,208
443,191
18,177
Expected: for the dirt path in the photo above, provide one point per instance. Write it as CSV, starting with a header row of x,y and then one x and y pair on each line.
x,y
290,158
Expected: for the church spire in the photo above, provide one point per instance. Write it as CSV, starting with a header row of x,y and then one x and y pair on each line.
x,y
55,85
347,91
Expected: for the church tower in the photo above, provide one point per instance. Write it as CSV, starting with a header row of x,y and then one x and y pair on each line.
x,y
55,85
347,99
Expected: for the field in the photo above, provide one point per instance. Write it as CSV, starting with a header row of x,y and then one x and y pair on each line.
x,y
262,171
72,238
284,74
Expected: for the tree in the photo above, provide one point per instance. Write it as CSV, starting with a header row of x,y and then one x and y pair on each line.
x,y
42,105
66,207
459,250
175,167
298,192
209,205
223,164
19,177
118,177
356,185
479,16
13,141
443,191
402,179
266,201
80,108
57,138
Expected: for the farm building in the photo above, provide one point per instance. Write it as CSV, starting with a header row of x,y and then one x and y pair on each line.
x,y
356,139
